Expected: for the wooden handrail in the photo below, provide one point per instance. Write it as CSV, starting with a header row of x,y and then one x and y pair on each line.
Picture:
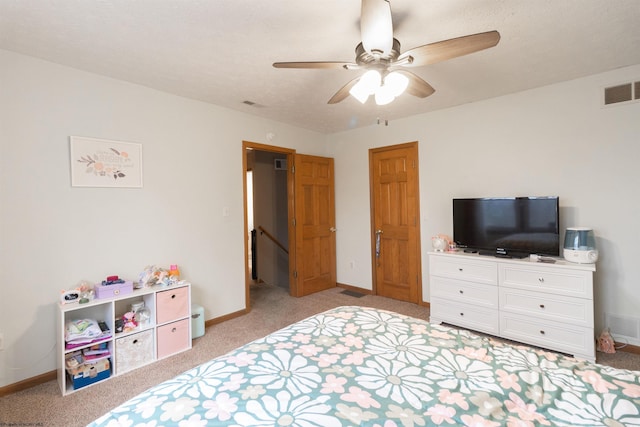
x,y
273,239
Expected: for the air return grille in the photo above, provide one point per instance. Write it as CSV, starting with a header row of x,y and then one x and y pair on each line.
x,y
622,93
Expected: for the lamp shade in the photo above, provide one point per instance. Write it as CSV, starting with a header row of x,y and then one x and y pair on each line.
x,y
580,245
396,82
367,85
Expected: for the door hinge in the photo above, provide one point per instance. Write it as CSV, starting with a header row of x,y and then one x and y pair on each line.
x,y
295,274
293,169
414,164
293,222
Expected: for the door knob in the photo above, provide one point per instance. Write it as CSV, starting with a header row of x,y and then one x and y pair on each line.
x,y
333,229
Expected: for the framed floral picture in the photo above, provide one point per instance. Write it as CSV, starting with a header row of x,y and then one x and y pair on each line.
x,y
104,163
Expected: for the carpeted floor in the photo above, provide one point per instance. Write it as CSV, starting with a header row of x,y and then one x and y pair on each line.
x,y
272,309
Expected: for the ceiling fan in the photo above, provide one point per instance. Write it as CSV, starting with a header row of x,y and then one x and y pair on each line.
x,y
379,54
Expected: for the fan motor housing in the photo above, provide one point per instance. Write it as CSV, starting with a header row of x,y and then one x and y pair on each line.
x,y
365,58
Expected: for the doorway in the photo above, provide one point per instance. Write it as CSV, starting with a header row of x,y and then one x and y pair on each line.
x,y
395,221
307,259
268,201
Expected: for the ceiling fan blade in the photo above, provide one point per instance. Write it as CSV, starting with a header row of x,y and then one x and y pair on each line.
x,y
376,27
341,94
417,86
327,65
448,49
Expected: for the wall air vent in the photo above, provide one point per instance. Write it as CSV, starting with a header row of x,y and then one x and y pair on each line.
x,y
280,164
622,93
624,328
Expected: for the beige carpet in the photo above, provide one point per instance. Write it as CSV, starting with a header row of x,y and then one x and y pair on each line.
x,y
272,309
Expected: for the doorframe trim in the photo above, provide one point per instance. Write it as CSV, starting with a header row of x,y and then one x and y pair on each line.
x,y
373,151
290,153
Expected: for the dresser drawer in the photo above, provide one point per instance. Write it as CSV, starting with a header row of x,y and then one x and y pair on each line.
x,y
466,315
465,292
134,351
173,338
458,267
172,304
561,281
563,337
560,308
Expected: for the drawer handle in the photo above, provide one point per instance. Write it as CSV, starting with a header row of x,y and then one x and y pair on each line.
x,y
461,314
541,305
173,296
541,332
135,341
460,269
174,329
541,279
461,291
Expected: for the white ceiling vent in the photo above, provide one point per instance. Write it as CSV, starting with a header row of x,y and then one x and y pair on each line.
x,y
622,93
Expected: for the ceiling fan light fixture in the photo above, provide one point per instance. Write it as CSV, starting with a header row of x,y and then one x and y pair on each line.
x,y
397,83
384,95
367,85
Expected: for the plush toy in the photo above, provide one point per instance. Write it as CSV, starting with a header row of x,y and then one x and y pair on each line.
x,y
129,320
605,342
152,275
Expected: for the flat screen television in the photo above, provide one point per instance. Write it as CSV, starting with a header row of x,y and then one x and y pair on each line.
x,y
507,226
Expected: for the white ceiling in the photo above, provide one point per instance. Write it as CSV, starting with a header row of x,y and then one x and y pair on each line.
x,y
221,51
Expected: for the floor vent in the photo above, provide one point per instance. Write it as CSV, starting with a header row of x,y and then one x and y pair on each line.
x,y
352,293
622,93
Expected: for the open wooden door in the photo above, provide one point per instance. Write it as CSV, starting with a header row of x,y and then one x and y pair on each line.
x,y
315,261
395,221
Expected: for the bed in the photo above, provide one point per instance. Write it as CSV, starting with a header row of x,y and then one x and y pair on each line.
x,y
353,366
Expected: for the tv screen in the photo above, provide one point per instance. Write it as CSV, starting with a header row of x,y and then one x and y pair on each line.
x,y
513,226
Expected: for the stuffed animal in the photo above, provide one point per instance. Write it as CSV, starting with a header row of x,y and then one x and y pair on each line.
x,y
605,342
129,320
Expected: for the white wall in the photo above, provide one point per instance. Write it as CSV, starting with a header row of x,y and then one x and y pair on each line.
x,y
555,140
53,235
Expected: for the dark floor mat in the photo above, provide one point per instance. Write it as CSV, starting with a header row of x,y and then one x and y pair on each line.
x,y
352,293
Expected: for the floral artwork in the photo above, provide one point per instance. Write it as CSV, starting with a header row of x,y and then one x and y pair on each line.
x,y
103,163
359,366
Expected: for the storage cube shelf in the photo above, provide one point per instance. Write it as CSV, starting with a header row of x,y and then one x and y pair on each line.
x,y
167,333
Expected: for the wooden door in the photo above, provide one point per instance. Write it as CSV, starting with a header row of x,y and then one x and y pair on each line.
x,y
315,265
396,222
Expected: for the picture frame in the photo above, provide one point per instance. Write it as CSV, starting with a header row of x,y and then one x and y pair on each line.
x,y
105,163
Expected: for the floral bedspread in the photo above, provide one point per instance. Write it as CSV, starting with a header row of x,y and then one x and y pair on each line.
x,y
358,366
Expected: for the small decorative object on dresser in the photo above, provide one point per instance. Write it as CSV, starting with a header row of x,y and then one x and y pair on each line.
x,y
440,243
580,245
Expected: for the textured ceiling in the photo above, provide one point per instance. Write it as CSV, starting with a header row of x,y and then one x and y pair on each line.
x,y
221,51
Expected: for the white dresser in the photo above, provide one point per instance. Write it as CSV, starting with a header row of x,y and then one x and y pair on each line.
x,y
546,305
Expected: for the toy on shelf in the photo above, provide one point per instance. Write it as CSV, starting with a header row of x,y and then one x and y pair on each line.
x,y
82,293
156,276
153,275
129,320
